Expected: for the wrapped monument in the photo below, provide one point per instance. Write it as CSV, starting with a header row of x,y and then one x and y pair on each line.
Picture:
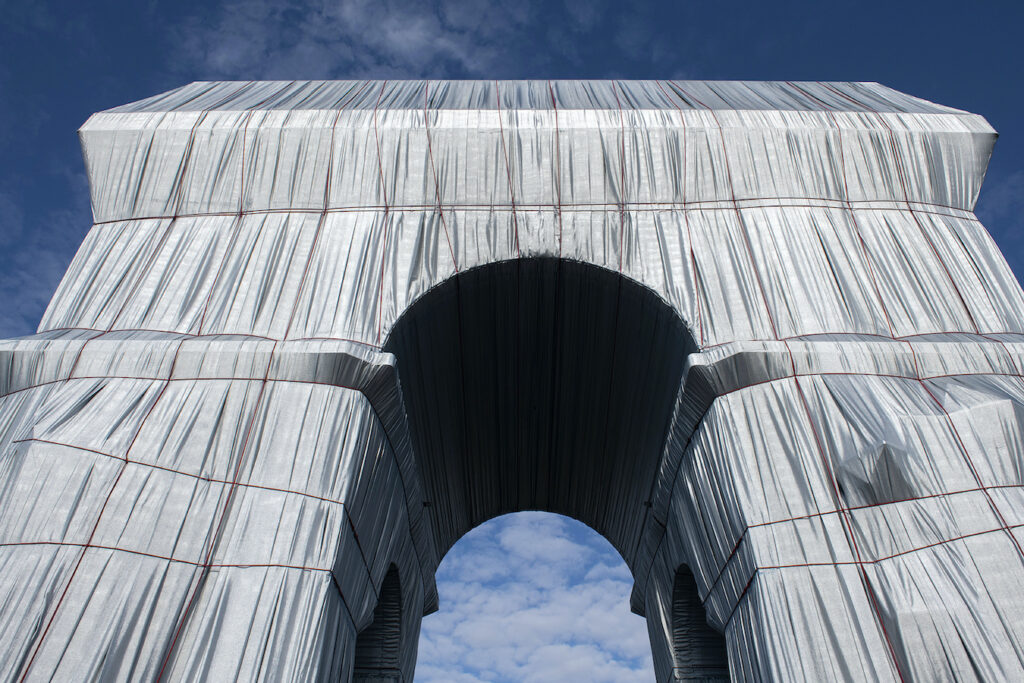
x,y
752,333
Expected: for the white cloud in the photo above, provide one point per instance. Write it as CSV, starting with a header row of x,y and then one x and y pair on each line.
x,y
1001,209
346,38
1002,200
35,258
584,13
11,220
534,597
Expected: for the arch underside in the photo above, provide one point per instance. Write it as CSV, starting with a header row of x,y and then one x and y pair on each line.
x,y
540,384
320,329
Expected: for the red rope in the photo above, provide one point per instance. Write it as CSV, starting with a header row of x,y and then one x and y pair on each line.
x,y
433,170
323,214
508,170
652,206
179,190
215,538
384,191
851,534
622,174
558,170
92,533
736,208
241,202
686,221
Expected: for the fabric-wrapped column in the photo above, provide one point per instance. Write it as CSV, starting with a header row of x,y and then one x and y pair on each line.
x,y
215,516
884,505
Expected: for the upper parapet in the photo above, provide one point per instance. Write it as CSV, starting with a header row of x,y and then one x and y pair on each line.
x,y
236,147
557,94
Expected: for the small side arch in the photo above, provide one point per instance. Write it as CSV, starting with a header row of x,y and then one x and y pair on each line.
x,y
379,646
698,651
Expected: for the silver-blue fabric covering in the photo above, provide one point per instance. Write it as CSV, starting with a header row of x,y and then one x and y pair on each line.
x,y
206,466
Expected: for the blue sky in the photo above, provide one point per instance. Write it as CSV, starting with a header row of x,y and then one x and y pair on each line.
x,y
561,583
538,598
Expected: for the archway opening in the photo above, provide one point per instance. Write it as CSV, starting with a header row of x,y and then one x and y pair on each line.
x,y
698,651
533,596
540,384
378,646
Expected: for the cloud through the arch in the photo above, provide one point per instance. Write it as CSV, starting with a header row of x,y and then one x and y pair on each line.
x,y
538,598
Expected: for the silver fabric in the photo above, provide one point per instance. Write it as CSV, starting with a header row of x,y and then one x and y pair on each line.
x,y
206,466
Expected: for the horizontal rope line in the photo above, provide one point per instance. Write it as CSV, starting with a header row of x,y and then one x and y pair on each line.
x,y
184,379
342,386
171,470
804,337
814,515
881,337
240,565
861,563
212,336
379,420
708,205
165,558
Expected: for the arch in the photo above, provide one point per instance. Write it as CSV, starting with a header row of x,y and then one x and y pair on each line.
x,y
540,384
698,651
563,594
379,646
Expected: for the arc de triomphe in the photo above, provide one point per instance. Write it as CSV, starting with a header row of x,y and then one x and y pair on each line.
x,y
751,333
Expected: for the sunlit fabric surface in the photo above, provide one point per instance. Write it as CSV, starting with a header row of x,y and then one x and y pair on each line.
x,y
319,330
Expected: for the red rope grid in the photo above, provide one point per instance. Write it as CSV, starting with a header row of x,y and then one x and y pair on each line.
x,y
743,227
686,219
508,169
859,564
215,537
856,508
237,228
92,533
198,477
736,208
841,510
178,198
839,501
323,214
844,515
849,206
433,170
911,209
558,169
622,174
900,174
913,213
924,385
386,218
305,271
234,482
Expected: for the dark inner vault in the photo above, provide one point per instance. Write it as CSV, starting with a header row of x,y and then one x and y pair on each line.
x,y
539,384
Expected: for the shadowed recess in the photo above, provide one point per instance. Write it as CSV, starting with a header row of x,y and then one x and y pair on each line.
x,y
540,384
698,651
378,647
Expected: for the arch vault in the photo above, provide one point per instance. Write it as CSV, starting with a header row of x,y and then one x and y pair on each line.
x,y
752,333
